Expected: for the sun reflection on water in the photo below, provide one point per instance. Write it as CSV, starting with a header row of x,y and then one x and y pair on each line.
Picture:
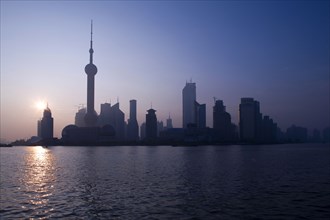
x,y
38,180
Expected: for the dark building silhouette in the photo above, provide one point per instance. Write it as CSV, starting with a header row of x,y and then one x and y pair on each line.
x,y
188,104
268,132
193,113
73,135
117,120
255,128
143,131
151,125
173,135
91,70
296,134
223,128
112,115
104,117
132,125
249,120
169,122
200,114
46,125
160,127
79,119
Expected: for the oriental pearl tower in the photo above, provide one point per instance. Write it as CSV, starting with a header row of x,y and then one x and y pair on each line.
x,y
91,70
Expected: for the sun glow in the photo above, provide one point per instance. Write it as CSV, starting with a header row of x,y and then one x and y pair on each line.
x,y
40,105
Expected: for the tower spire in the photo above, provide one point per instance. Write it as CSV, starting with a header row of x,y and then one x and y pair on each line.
x,y
91,51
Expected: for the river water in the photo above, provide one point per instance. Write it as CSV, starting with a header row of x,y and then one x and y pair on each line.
x,y
164,182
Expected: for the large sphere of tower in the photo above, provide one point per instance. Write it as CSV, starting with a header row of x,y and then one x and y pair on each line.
x,y
90,69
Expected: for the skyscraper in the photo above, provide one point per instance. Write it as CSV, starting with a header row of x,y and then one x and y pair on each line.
x,y
91,70
143,131
188,104
222,125
79,119
169,122
200,114
132,125
249,120
160,127
104,117
151,124
117,120
46,125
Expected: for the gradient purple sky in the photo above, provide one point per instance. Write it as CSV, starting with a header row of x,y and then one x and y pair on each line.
x,y
276,52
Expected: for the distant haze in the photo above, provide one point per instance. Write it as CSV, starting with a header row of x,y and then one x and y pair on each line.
x,y
275,52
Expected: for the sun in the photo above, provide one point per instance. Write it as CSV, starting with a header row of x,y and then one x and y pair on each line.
x,y
40,105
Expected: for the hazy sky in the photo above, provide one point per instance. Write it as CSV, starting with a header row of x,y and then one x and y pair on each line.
x,y
274,51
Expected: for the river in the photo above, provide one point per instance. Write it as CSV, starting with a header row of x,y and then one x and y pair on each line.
x,y
164,182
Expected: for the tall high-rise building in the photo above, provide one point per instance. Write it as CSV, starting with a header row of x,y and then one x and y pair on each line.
x,y
132,125
188,104
268,131
91,70
143,131
250,120
200,114
160,127
79,119
222,125
46,125
151,124
169,122
117,120
104,117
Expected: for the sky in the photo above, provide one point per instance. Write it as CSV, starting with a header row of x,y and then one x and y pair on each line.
x,y
276,52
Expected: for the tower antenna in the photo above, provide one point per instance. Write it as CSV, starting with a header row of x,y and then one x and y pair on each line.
x,y
91,33
91,51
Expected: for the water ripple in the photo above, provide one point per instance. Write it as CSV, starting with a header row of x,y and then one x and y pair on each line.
x,y
230,182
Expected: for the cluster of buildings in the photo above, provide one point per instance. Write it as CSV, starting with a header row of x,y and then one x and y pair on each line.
x,y
110,127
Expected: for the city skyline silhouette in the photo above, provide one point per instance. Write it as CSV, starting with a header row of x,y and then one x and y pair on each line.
x,y
286,70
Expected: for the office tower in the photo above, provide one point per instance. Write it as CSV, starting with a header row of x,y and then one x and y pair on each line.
x,y
117,121
200,114
188,104
268,131
169,122
151,124
143,131
249,120
222,125
160,127
91,70
46,125
79,119
104,117
132,125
